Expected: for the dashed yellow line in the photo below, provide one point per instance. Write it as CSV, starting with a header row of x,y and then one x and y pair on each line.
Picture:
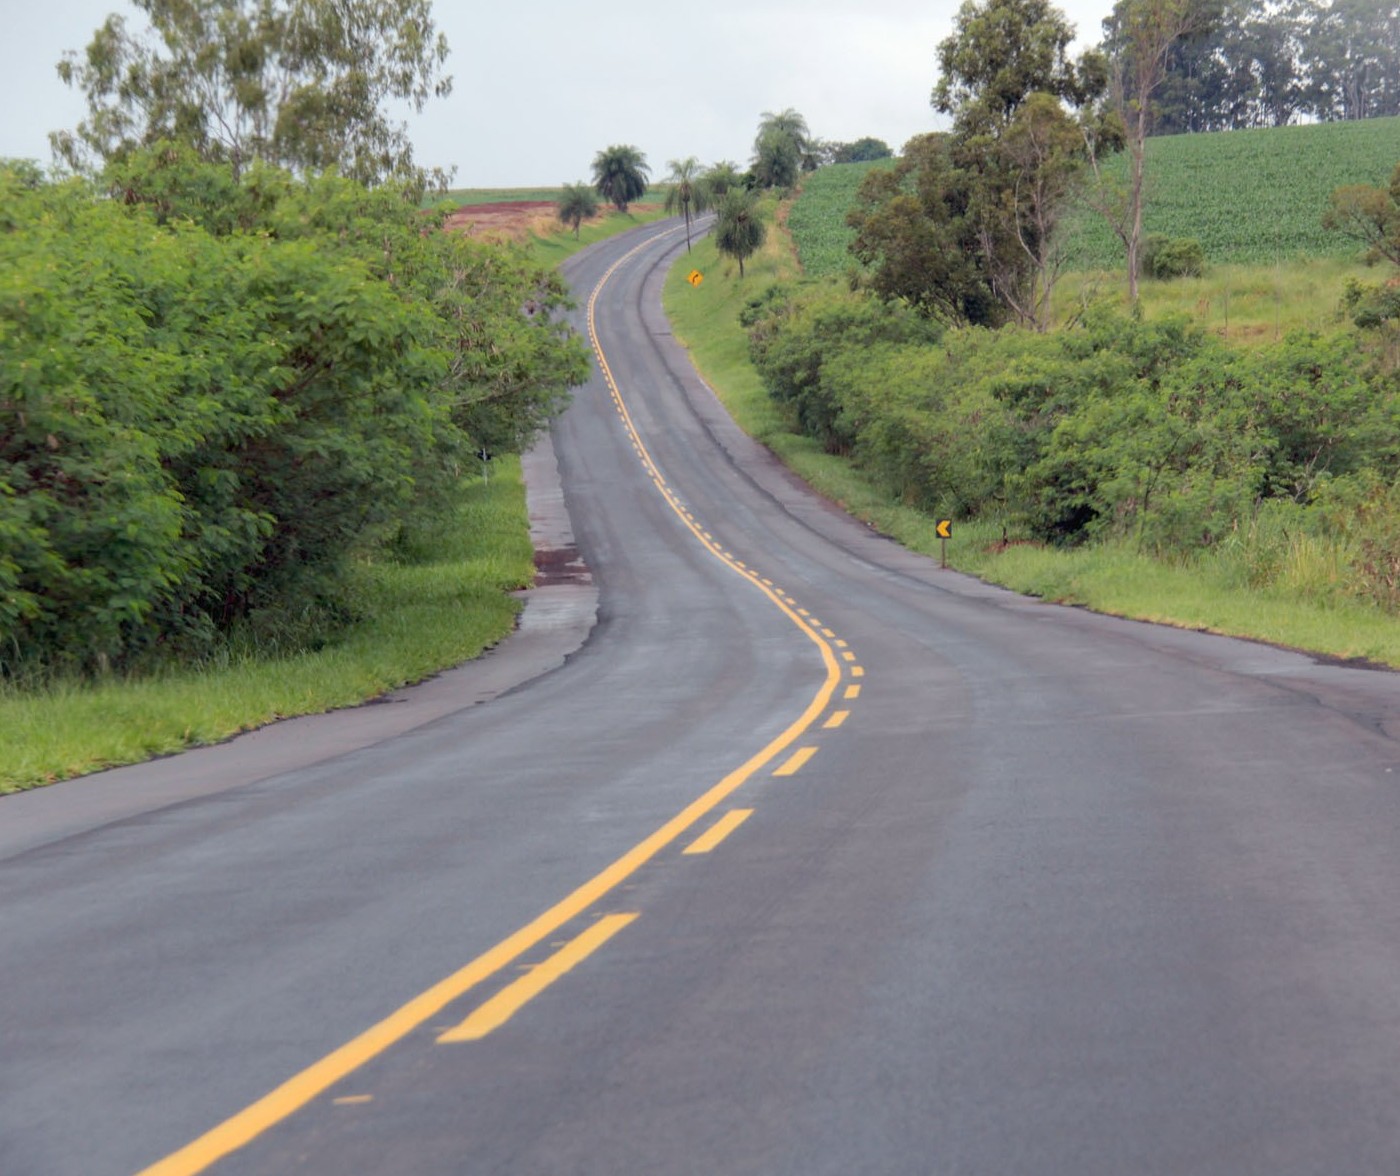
x,y
719,831
794,762
506,1003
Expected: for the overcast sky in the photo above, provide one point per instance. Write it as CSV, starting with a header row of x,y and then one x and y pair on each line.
x,y
540,87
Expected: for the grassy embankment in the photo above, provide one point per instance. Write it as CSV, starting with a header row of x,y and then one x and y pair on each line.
x,y
1261,300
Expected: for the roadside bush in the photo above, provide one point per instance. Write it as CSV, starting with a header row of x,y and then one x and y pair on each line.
x,y
1165,258
792,337
202,423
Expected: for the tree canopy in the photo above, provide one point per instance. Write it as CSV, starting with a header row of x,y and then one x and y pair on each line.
x,y
738,230
620,175
302,84
576,204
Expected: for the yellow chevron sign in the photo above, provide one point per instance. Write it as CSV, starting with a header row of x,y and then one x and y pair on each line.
x,y
944,529
695,277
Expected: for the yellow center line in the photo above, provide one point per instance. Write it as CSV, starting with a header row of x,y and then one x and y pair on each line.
x,y
300,1089
837,718
719,831
506,1003
852,691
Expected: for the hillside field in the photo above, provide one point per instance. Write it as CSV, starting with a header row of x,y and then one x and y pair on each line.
x,y
1250,197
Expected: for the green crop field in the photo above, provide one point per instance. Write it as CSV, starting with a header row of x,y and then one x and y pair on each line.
x,y
1249,197
817,218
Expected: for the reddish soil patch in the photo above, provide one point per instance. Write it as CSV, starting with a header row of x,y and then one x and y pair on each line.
x,y
514,220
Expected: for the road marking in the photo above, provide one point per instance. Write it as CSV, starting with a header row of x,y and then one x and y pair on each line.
x,y
301,1088
852,692
514,996
719,831
848,655
795,761
353,1100
857,672
837,718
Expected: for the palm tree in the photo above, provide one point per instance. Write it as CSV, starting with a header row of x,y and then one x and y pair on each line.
x,y
688,190
738,231
620,175
782,148
576,205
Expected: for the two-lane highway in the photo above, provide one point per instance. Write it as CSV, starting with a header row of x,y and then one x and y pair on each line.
x,y
816,859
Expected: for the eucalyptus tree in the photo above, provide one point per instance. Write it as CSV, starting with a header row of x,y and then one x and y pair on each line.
x,y
302,84
738,231
1139,37
577,203
620,175
688,191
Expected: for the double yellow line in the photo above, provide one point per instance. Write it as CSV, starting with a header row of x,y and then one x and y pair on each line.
x,y
299,1090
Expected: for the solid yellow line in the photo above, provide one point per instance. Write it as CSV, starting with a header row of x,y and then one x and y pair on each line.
x,y
837,718
719,831
506,1003
795,761
300,1089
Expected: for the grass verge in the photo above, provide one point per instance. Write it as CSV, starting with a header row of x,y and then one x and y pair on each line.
x,y
1208,594
437,611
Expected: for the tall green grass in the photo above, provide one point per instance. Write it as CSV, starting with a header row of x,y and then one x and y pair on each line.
x,y
442,604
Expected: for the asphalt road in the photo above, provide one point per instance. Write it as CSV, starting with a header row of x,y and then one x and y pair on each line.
x,y
815,858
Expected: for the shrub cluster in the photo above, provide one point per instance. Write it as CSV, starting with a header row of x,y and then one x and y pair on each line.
x,y
1154,431
213,393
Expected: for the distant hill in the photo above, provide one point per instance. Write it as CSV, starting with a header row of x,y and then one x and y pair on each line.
x,y
1252,196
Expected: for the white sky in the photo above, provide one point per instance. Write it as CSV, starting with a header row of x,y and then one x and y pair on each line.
x,y
541,87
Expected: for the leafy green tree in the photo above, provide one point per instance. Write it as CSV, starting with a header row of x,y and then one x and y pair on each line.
x,y
721,177
620,175
966,226
1370,215
738,230
861,151
1000,53
912,234
577,203
303,84
688,191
